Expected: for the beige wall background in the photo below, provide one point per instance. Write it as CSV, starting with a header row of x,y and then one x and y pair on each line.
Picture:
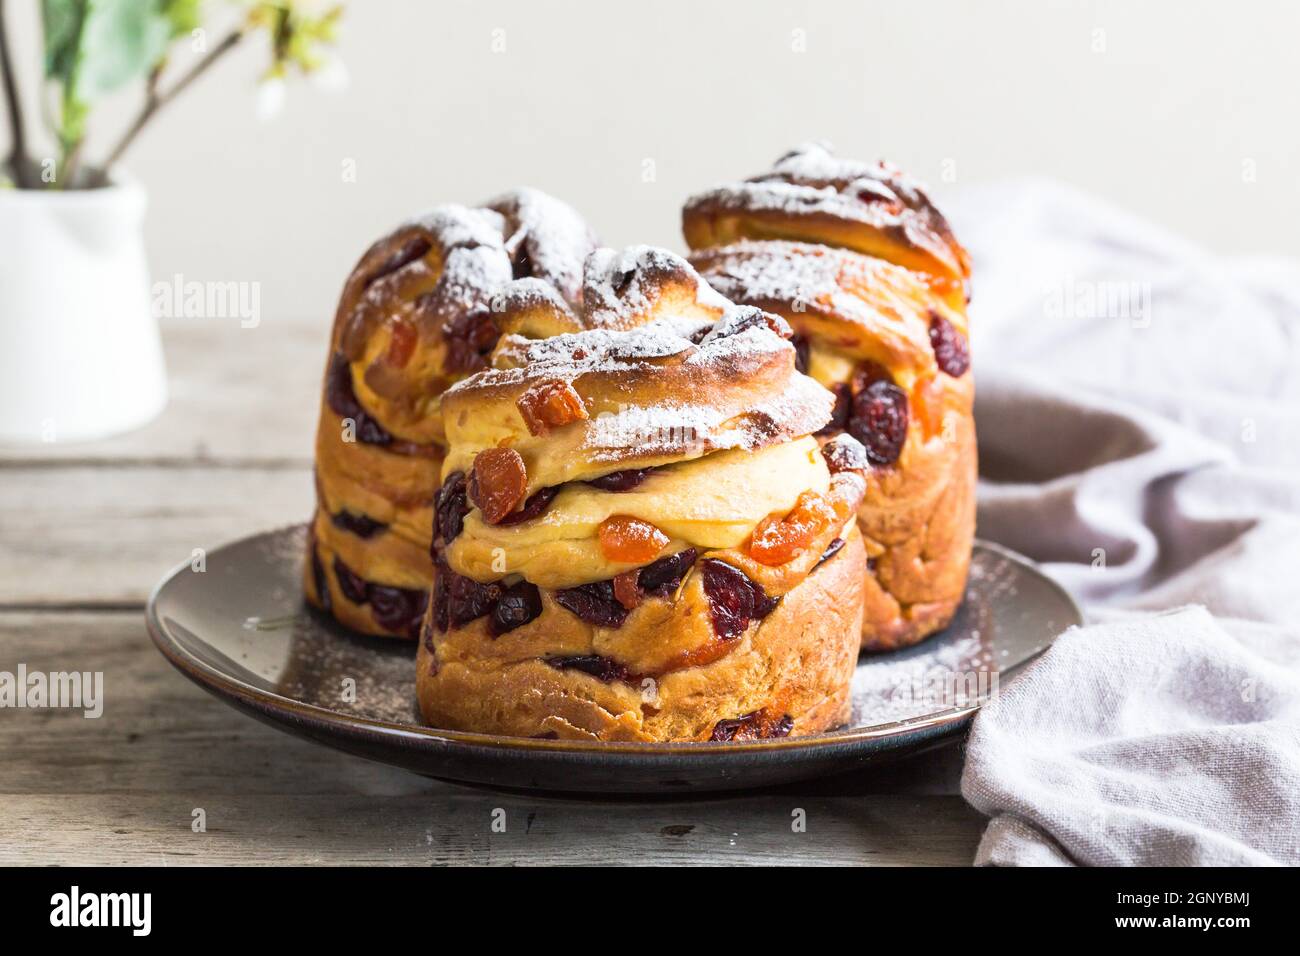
x,y
1185,112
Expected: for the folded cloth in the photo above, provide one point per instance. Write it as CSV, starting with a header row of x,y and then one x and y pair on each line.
x,y
1159,739
1139,418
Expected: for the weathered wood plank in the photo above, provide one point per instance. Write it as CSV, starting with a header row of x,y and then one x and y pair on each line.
x,y
104,535
122,789
236,395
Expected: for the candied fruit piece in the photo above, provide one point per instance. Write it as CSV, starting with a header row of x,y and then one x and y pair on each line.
x,y
626,589
734,600
631,540
879,421
594,603
550,405
517,605
951,351
777,540
497,482
401,343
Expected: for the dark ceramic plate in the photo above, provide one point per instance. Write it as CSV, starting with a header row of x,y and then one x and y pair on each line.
x,y
240,630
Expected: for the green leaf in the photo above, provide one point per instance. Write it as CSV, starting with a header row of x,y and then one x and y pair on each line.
x,y
62,20
183,16
121,41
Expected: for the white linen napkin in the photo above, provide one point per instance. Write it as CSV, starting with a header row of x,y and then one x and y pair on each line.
x,y
1138,408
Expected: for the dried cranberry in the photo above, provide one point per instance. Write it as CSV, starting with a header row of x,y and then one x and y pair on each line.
x,y
752,726
594,603
362,526
624,480
342,400
518,604
800,343
398,609
467,599
352,585
536,503
880,421
601,668
734,600
845,453
522,267
840,411
951,351
661,578
450,507
832,549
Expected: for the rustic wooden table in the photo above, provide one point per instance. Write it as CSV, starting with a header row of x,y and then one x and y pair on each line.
x,y
86,531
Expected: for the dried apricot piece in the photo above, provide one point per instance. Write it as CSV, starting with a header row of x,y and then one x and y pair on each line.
x,y
549,405
497,482
627,588
627,539
401,343
777,539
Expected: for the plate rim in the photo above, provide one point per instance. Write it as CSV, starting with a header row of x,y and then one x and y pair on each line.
x,y
228,687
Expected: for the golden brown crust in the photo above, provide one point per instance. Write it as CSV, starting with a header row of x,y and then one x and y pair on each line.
x,y
415,316
861,318
627,593
797,663
811,195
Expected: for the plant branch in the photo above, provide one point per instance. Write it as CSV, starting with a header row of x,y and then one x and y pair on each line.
x,y
156,99
13,102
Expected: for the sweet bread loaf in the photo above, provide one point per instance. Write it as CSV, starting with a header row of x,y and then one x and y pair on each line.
x,y
638,536
865,269
415,316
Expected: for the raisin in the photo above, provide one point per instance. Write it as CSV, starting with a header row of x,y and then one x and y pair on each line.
x,y
662,577
832,549
342,400
752,726
548,405
398,609
734,600
362,526
497,482
627,590
601,668
839,411
537,503
594,603
467,600
522,266
450,507
624,480
845,453
777,539
951,351
517,605
800,343
880,421
630,540
352,585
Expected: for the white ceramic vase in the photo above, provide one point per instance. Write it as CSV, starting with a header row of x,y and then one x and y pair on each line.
x,y
80,356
